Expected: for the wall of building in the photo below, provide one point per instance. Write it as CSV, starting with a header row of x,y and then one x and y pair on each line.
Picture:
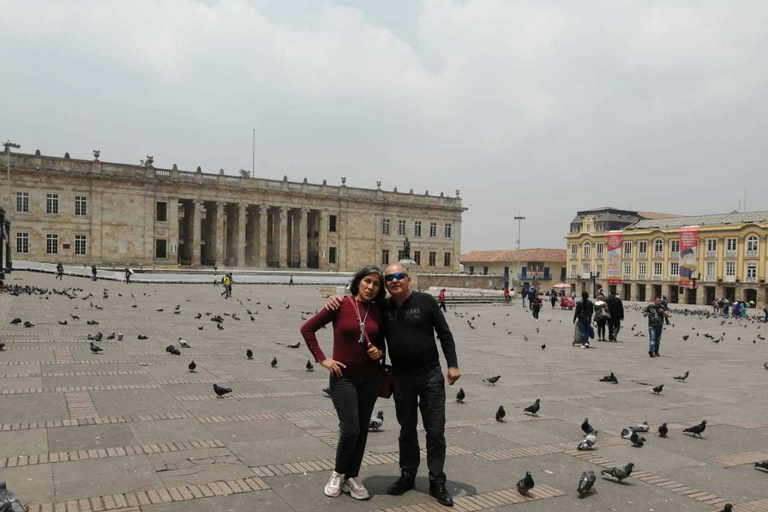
x,y
475,282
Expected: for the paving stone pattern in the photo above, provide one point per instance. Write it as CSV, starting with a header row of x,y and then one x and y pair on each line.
x,y
132,430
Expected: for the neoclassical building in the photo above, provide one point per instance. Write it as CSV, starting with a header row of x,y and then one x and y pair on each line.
x,y
689,260
93,212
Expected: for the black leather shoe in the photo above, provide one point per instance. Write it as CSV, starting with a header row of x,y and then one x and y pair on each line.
x,y
403,484
440,493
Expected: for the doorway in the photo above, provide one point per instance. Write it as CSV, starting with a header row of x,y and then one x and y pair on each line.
x,y
641,293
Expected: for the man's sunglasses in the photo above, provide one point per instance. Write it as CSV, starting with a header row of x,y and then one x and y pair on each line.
x,y
399,276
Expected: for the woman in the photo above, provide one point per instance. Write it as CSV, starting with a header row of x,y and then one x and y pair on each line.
x,y
602,315
356,375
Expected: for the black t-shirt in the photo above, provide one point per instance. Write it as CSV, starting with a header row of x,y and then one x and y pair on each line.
x,y
410,331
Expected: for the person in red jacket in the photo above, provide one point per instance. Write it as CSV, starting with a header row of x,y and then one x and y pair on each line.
x,y
358,345
441,299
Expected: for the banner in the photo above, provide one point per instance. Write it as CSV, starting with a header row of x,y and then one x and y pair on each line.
x,y
689,254
614,247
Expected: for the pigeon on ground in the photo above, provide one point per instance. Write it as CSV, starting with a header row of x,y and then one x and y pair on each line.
x,y
200,327
534,407
63,322
619,473
591,438
142,337
294,345
199,316
273,363
220,390
525,484
685,337
310,367
544,346
500,413
375,424
682,377
74,317
586,427
220,327
92,322
727,508
663,430
586,482
119,336
658,389
111,336
8,501
696,430
492,380
610,378
2,346
765,365
762,465
249,354
95,348
192,367
585,445
15,321
183,343
28,324
460,396
643,427
637,441
172,350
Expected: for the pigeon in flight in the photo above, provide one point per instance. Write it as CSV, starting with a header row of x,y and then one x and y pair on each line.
x,y
273,363
310,367
192,367
682,377
249,354
658,389
183,343
696,430
492,380
95,348
8,501
220,390
586,427
500,413
663,430
586,482
619,473
534,407
460,396
375,424
525,484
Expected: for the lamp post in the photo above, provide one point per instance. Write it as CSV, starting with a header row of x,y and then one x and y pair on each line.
x,y
594,277
519,220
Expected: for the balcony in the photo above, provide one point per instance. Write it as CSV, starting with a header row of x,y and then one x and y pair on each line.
x,y
658,255
750,279
657,277
642,255
530,277
752,254
730,253
710,278
729,279
640,277
674,254
711,254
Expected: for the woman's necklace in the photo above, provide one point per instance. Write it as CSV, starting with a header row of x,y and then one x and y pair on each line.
x,y
362,320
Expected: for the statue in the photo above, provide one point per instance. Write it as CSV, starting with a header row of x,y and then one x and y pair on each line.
x,y
96,154
407,249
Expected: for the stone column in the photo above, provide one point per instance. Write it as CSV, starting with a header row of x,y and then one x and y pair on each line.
x,y
323,249
303,249
173,231
219,234
241,210
633,292
283,242
263,212
196,208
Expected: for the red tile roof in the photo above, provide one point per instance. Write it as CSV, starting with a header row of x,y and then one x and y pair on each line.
x,y
554,255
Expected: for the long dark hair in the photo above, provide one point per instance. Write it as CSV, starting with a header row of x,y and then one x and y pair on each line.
x,y
354,286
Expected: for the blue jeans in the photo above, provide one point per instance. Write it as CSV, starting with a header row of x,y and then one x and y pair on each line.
x,y
654,338
584,330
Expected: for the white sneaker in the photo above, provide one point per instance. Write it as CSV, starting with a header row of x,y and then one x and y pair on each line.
x,y
355,488
333,487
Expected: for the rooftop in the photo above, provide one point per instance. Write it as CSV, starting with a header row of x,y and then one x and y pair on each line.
x,y
702,220
555,255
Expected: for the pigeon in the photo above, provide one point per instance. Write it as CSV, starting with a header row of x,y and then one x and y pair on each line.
x,y
544,346
199,316
74,317
8,501
200,327
610,378
500,413
619,473
682,377
591,438
310,367
534,407
183,343
63,322
525,484
2,346
111,336
249,354
15,321
586,482
696,430
460,396
172,350
95,348
142,337
28,324
727,508
658,389
220,390
637,441
765,365
327,391
663,430
375,424
220,327
119,336
273,363
492,380
92,322
585,445
762,465
586,427
643,427
192,367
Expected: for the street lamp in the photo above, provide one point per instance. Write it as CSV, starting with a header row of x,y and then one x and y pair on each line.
x,y
8,145
594,277
519,220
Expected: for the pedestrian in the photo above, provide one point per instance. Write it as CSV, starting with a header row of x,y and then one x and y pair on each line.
x,y
59,271
726,306
523,293
216,280
128,274
582,314
765,310
665,305
506,295
441,300
655,313
290,281
535,303
744,307
229,288
93,272
226,283
714,305
602,316
616,309
355,372
553,297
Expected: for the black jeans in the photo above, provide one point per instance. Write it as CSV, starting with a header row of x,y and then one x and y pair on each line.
x,y
354,398
425,392
535,310
614,326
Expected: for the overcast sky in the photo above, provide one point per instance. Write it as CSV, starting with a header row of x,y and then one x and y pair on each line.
x,y
543,107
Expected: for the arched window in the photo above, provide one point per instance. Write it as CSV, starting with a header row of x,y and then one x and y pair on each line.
x,y
587,250
752,245
658,247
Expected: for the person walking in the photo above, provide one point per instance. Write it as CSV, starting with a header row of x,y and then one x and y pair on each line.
x,y
59,271
290,281
655,313
535,303
355,372
93,272
602,316
553,298
441,300
229,288
616,309
226,283
506,295
128,274
765,310
523,293
582,314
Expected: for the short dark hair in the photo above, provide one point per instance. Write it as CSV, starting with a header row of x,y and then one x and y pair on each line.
x,y
354,286
584,295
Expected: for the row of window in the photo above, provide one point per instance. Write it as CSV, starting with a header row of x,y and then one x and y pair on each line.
x,y
417,257
402,228
751,248
51,244
750,270
51,204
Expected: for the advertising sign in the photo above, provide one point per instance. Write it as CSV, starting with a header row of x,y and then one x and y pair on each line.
x,y
689,254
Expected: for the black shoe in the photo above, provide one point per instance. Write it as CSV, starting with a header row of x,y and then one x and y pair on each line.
x,y
650,353
656,354
438,491
403,484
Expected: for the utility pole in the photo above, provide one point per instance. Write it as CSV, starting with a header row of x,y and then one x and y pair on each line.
x,y
519,220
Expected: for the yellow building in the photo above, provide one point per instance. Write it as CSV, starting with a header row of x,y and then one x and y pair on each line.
x,y
547,266
690,260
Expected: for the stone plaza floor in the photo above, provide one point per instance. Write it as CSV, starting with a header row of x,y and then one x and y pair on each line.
x,y
132,429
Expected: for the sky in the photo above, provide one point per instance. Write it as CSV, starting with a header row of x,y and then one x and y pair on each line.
x,y
538,107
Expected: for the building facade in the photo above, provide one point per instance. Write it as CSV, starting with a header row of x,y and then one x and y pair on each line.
x,y
519,268
690,260
93,212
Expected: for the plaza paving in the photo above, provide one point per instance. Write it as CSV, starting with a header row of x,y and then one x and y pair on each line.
x,y
131,429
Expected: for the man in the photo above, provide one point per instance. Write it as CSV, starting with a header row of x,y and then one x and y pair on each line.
x,y
553,298
656,315
616,309
226,282
128,274
59,271
765,310
523,294
93,272
441,300
582,314
506,294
